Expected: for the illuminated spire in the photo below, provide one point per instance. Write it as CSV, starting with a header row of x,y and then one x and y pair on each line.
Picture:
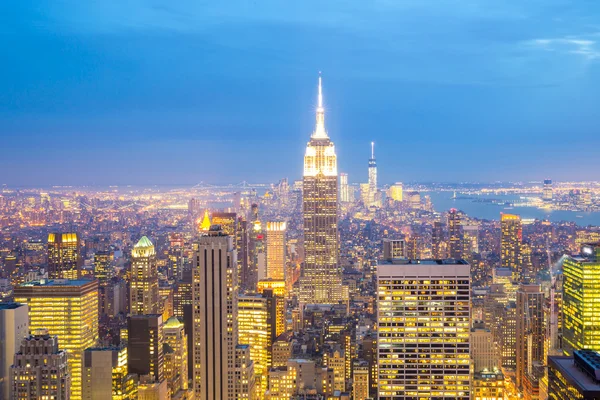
x,y
205,226
319,132
372,150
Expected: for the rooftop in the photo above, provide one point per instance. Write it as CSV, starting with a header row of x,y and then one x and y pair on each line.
x,y
57,282
10,306
574,373
404,261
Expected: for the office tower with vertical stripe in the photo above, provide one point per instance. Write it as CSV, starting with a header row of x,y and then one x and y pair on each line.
x,y
215,329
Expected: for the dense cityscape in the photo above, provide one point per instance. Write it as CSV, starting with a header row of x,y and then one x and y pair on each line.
x,y
315,288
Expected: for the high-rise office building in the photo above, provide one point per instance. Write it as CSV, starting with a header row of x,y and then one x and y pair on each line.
x,y
529,329
245,384
373,195
235,226
547,190
64,256
257,260
321,279
176,361
215,324
14,326
581,301
69,310
394,248
438,247
145,346
575,377
102,260
144,279
276,250
483,349
105,374
253,330
418,356
344,188
40,369
396,191
510,243
360,380
455,235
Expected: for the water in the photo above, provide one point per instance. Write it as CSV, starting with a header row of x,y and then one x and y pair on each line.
x,y
443,201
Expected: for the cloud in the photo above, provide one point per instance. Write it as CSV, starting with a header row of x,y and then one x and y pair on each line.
x,y
582,46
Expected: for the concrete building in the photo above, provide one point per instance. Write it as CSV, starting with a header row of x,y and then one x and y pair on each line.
x,y
14,327
413,308
105,374
69,310
40,369
575,377
145,346
215,324
144,279
276,246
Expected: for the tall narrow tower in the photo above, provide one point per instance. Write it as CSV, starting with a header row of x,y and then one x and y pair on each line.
x,y
321,279
144,278
372,176
215,327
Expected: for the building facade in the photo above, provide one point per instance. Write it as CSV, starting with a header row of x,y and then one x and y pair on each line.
x,y
14,327
40,369
417,356
215,324
276,246
64,256
144,279
69,310
321,279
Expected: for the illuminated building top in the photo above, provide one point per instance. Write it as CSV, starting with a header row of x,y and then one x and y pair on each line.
x,y
205,226
143,248
320,155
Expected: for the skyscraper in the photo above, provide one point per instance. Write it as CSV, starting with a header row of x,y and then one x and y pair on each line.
x,y
176,362
510,243
276,250
253,327
235,227
530,329
64,256
105,374
575,377
321,279
68,309
418,355
145,346
454,233
257,261
373,177
215,326
438,247
547,190
344,188
581,301
14,326
40,369
144,278
396,191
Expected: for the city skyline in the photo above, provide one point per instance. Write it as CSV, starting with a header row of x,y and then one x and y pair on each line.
x,y
93,107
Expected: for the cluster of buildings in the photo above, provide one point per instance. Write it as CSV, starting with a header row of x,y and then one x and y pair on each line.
x,y
303,291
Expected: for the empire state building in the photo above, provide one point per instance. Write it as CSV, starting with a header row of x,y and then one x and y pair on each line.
x,y
321,277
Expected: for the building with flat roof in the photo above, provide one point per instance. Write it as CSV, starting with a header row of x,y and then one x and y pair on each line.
x,y
416,300
575,377
14,326
69,310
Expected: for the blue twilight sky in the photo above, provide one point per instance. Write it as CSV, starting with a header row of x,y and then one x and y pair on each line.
x,y
162,91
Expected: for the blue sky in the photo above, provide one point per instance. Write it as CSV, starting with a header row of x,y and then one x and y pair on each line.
x,y
155,92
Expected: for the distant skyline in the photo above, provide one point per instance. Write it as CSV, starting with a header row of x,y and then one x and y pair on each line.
x,y
132,92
